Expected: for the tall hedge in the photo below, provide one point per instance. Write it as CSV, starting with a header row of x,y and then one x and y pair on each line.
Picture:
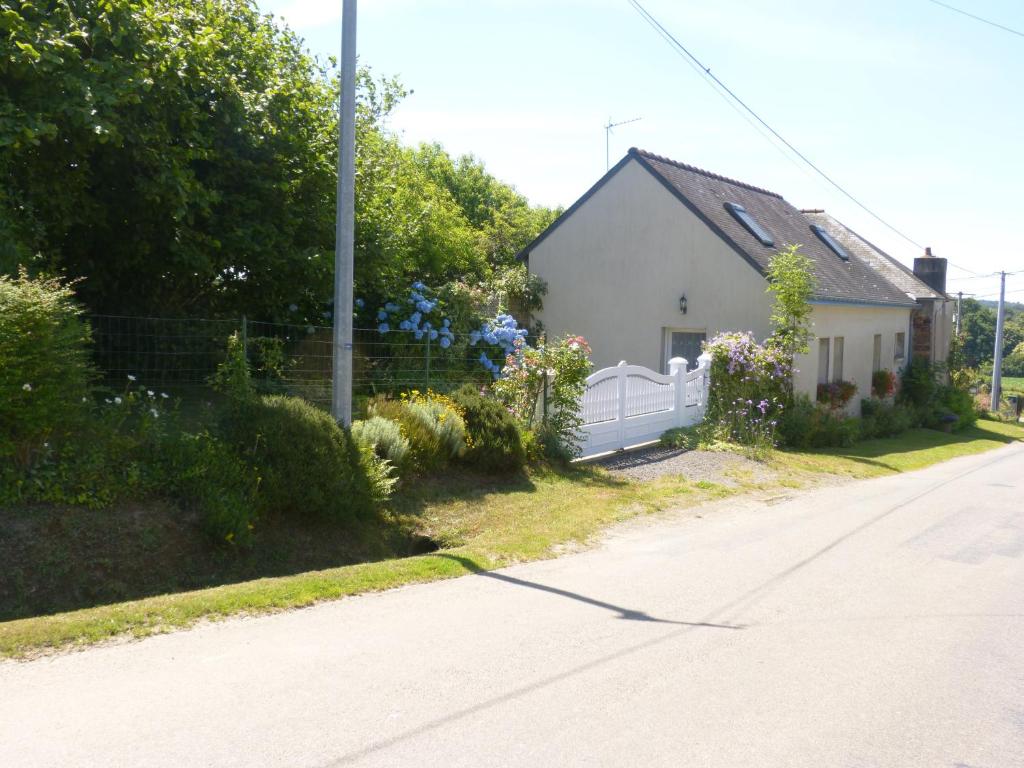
x,y
45,370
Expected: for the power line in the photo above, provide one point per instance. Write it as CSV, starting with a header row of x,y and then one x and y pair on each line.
x,y
696,64
645,14
979,18
969,271
991,295
975,276
732,105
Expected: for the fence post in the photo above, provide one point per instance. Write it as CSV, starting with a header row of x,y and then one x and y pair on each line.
x,y
621,383
677,369
427,337
704,361
544,400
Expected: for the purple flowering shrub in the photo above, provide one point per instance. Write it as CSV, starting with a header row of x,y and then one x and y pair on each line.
x,y
749,387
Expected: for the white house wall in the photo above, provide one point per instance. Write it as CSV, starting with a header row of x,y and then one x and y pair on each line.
x,y
617,266
857,325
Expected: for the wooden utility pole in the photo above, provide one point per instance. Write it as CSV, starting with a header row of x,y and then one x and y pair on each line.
x,y
344,241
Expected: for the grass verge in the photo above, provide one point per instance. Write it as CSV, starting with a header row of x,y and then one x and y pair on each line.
x,y
480,525
915,449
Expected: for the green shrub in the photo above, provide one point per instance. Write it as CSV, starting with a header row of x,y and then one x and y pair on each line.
x,y
445,421
432,424
385,438
203,473
796,423
306,463
233,377
532,448
958,403
918,384
553,446
832,430
687,438
495,443
804,425
880,419
425,451
45,373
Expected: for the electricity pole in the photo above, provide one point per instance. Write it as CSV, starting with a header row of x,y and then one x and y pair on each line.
x,y
344,234
997,365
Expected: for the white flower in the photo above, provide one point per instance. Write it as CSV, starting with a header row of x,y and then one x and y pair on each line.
x,y
130,377
155,412
85,399
150,392
27,387
117,401
108,401
164,395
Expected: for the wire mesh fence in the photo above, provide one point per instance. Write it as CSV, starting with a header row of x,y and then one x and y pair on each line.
x,y
179,355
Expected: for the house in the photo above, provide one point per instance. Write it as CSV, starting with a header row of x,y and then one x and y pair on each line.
x,y
658,256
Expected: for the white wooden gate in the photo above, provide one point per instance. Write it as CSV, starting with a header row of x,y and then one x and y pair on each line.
x,y
629,404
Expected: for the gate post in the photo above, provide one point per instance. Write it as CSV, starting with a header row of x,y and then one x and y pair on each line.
x,y
620,381
677,369
704,361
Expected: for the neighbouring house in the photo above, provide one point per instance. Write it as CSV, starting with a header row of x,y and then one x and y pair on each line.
x,y
659,256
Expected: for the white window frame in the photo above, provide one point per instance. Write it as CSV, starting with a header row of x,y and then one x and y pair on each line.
x,y
899,351
824,345
666,345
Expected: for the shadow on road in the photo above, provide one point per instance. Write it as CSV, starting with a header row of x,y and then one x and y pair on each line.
x,y
623,613
742,601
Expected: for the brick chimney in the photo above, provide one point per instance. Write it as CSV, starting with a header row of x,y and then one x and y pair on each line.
x,y
931,270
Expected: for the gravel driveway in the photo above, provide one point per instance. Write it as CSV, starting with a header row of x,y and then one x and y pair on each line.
x,y
709,466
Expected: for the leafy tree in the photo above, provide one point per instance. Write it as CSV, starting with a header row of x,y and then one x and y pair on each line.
x,y
179,156
978,326
791,284
503,218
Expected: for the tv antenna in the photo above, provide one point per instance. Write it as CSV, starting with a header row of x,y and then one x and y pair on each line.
x,y
607,137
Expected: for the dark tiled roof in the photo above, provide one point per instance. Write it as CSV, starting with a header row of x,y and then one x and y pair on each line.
x,y
858,280
895,272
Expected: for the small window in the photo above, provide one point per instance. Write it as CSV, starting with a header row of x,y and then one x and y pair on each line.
x,y
837,359
876,357
826,238
747,221
686,344
823,361
899,351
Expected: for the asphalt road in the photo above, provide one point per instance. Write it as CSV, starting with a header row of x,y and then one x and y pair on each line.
x,y
879,623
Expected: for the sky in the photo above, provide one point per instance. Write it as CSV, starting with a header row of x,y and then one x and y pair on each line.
x,y
912,108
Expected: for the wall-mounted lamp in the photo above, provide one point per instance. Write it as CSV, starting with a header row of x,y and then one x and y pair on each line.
x,y
682,303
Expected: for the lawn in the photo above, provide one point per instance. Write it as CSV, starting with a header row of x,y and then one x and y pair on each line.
x,y
1013,384
480,524
915,449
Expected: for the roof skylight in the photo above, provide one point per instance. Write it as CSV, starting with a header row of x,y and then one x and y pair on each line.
x,y
751,225
826,238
